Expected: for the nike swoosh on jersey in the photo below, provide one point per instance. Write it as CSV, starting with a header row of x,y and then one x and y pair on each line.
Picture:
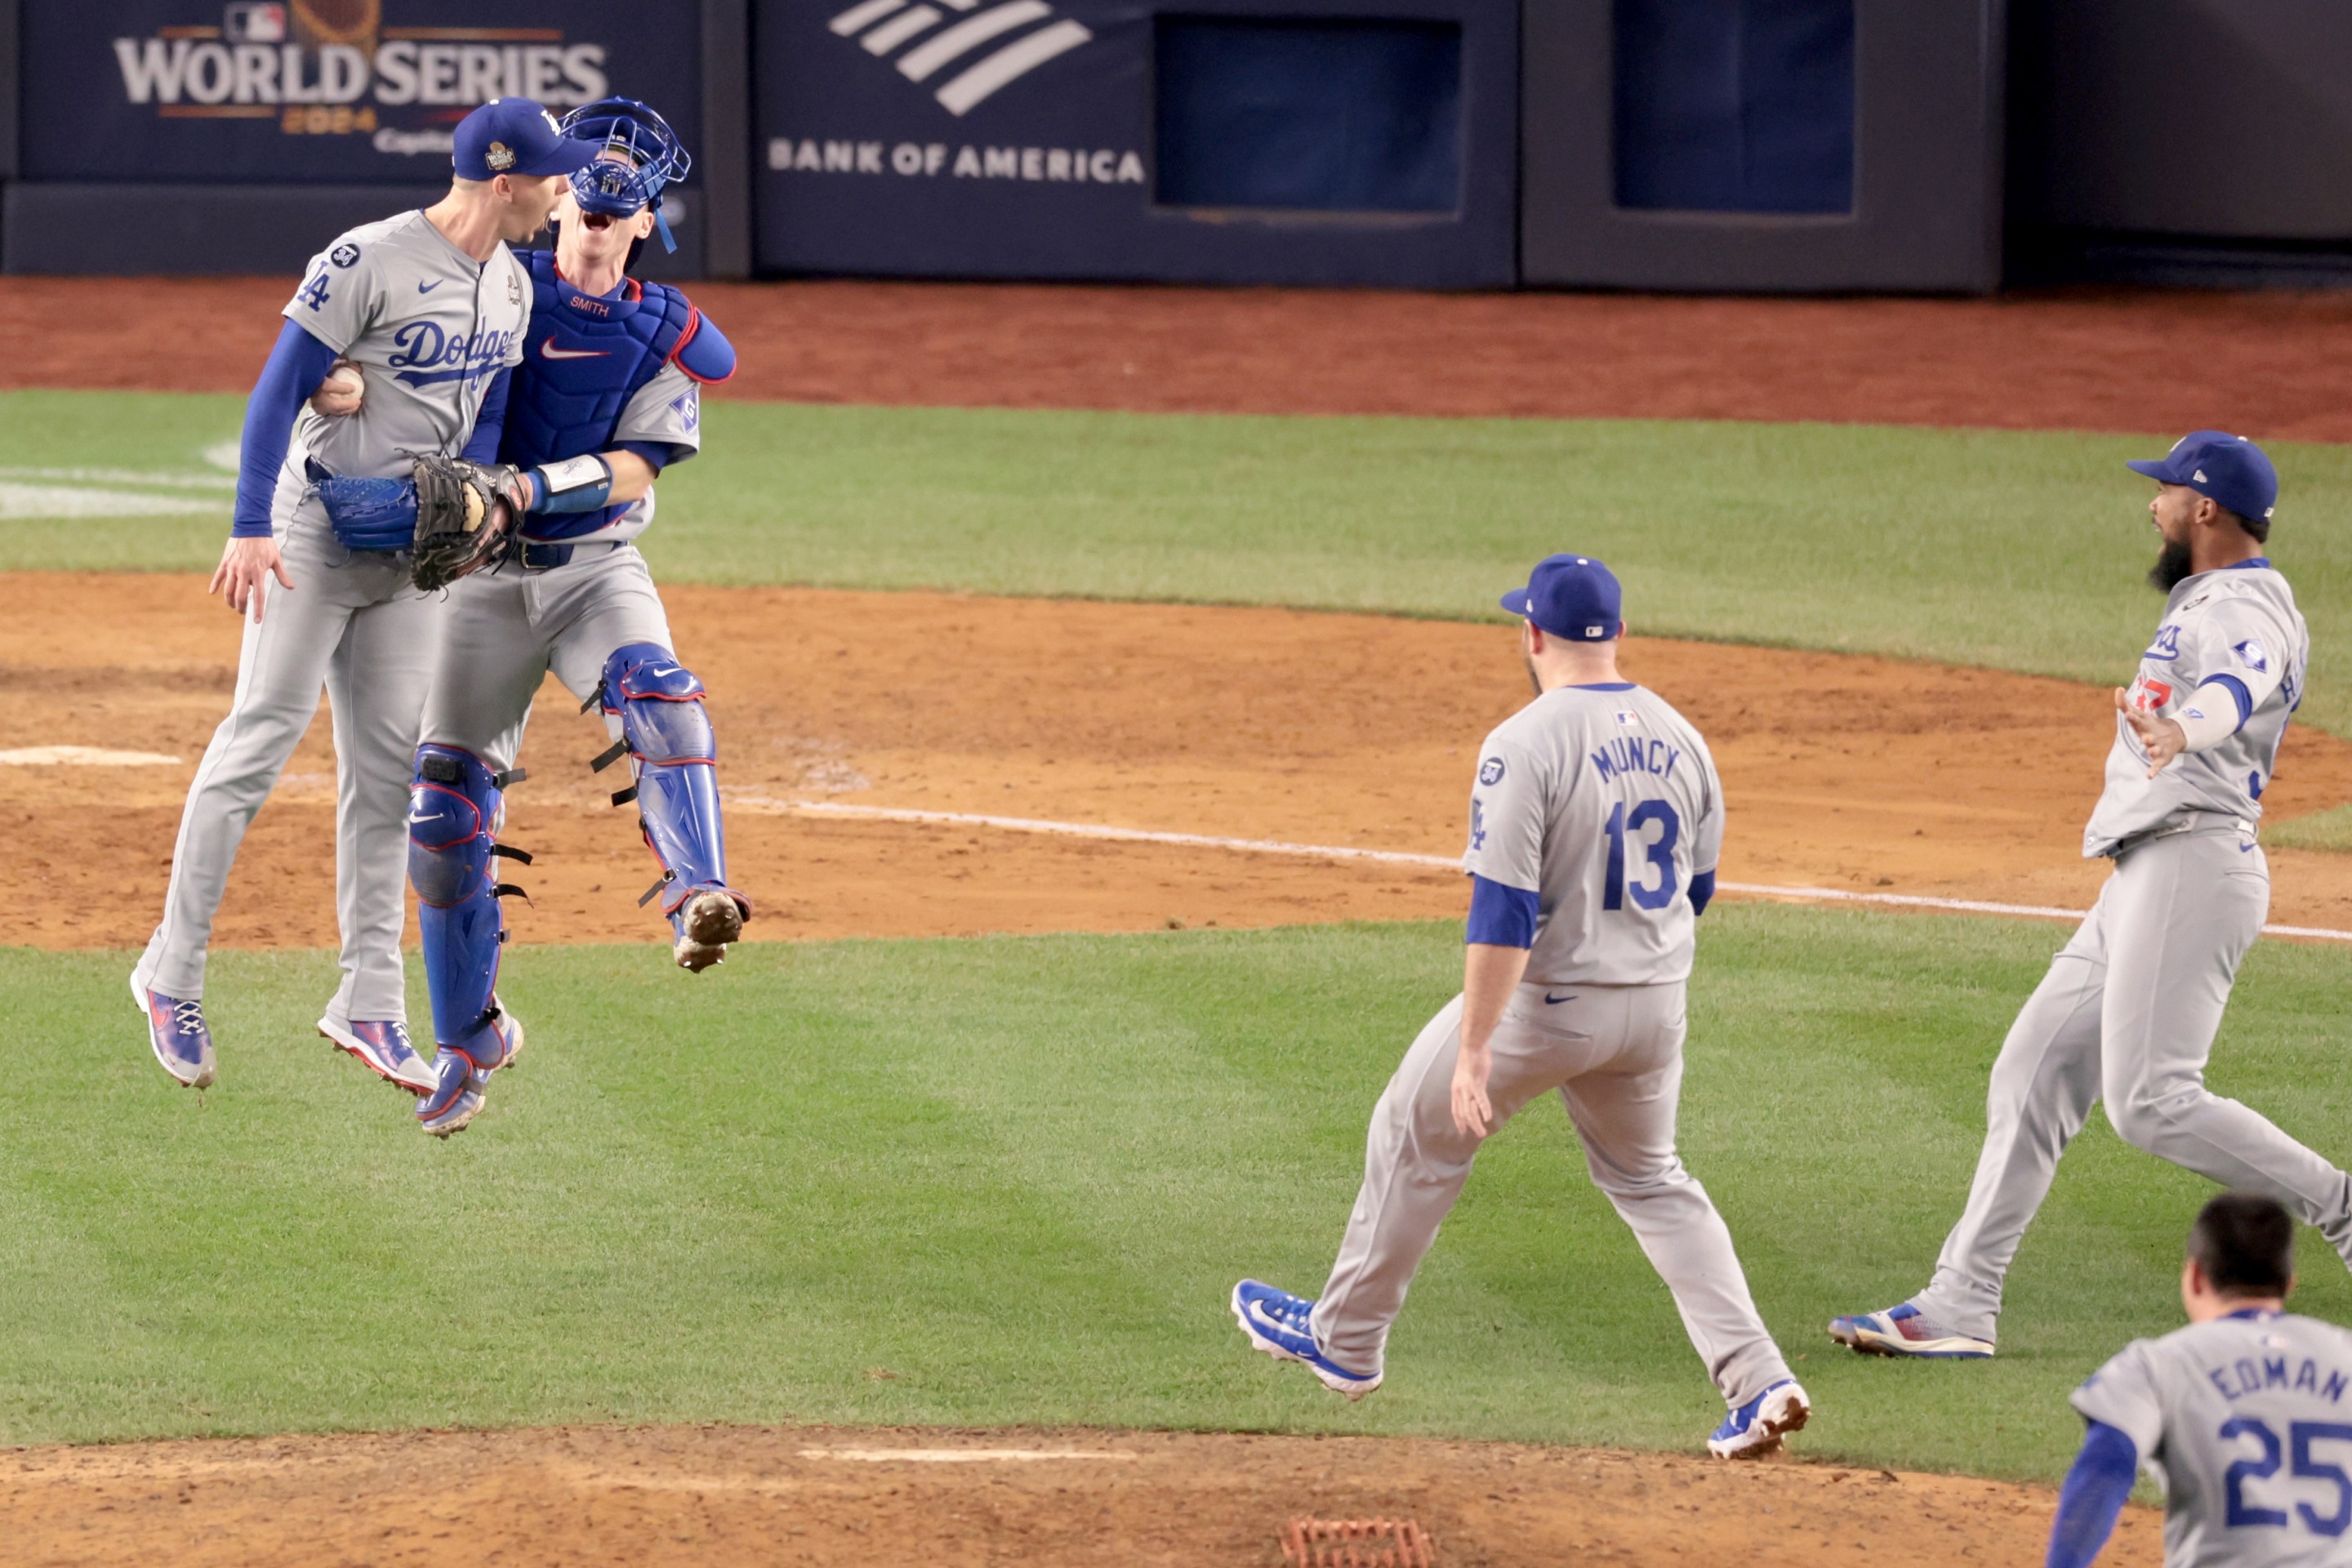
x,y
549,350
1552,1001
428,288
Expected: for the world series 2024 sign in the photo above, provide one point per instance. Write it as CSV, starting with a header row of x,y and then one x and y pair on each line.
x,y
326,90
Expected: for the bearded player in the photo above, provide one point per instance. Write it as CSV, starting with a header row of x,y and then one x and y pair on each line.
x,y
2130,1009
607,395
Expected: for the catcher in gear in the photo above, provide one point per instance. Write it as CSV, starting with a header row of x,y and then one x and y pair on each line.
x,y
608,394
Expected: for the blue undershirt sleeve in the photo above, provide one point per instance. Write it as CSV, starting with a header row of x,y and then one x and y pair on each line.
x,y
659,453
1501,915
2092,1497
490,424
296,365
1702,889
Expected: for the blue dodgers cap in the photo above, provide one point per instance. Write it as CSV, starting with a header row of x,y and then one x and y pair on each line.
x,y
1572,596
516,136
2229,468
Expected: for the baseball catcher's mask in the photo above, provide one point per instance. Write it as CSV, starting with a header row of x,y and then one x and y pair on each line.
x,y
638,154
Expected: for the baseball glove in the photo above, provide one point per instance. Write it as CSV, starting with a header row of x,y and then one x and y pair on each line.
x,y
463,519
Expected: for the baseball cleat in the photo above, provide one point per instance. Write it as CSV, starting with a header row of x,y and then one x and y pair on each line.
x,y
383,1049
462,1073
1755,1428
1277,1323
707,922
176,1032
1902,1330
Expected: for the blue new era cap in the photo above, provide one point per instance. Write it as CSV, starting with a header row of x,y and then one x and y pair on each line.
x,y
516,136
2229,468
1570,596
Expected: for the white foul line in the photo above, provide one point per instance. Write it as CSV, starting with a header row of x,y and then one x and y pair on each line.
x,y
955,1456
1400,858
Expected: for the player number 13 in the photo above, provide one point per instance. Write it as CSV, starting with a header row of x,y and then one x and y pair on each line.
x,y
1660,850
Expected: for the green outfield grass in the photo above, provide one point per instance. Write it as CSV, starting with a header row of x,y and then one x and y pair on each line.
x,y
2015,550
1011,1181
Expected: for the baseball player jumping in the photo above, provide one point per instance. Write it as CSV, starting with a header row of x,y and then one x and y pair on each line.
x,y
607,394
432,306
2240,1416
2129,1008
1594,829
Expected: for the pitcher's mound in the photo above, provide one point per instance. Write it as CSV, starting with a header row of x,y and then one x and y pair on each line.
x,y
716,1496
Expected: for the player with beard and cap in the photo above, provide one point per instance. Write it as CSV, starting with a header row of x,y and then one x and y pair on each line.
x,y
2130,1009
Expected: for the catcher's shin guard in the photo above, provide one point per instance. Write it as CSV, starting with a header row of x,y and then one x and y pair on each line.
x,y
665,730
454,810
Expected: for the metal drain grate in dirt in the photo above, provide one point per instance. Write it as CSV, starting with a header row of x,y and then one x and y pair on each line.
x,y
1354,1543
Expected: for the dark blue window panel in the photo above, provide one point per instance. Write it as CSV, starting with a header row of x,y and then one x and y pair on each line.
x,y
1735,105
1316,116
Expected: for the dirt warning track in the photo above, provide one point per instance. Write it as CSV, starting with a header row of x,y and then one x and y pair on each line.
x,y
1858,774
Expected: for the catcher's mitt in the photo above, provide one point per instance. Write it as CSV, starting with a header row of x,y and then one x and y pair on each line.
x,y
463,520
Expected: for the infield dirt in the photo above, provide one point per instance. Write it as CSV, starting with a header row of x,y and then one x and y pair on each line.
x,y
1865,774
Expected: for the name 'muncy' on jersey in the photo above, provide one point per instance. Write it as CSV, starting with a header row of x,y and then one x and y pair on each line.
x,y
1603,802
2238,626
2246,1421
429,327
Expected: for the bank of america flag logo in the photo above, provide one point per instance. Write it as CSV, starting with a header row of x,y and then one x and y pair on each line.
x,y
976,51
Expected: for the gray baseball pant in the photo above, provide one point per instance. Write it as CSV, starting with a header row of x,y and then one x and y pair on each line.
x,y
507,628
2128,1013
1614,1052
353,626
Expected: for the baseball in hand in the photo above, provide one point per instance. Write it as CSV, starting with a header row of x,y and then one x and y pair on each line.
x,y
342,391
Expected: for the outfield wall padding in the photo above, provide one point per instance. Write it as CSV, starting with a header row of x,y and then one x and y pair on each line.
x,y
1695,79
1305,141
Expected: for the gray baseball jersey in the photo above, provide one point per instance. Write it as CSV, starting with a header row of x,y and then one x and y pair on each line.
x,y
2239,627
429,328
666,410
1603,802
2246,1422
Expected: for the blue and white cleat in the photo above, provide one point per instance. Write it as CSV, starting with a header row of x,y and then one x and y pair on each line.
x,y
383,1049
1277,1322
1903,1331
1755,1428
462,1072
176,1031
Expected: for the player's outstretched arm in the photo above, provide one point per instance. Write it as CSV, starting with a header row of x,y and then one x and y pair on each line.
x,y
2094,1496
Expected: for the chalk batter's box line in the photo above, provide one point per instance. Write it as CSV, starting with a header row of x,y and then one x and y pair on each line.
x,y
1400,857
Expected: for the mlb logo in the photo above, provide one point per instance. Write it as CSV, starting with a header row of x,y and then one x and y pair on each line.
x,y
1627,717
254,24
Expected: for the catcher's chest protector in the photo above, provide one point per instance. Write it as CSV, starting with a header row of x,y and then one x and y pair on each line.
x,y
584,360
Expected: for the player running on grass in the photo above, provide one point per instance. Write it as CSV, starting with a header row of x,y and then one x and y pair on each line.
x,y
607,395
1594,829
2241,1417
2129,1008
434,307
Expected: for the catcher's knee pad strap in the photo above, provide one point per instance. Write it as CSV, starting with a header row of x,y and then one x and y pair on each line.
x,y
666,729
453,809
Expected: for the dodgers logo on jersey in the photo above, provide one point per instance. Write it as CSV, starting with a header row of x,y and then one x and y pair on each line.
x,y
2250,653
470,356
1491,771
2167,645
